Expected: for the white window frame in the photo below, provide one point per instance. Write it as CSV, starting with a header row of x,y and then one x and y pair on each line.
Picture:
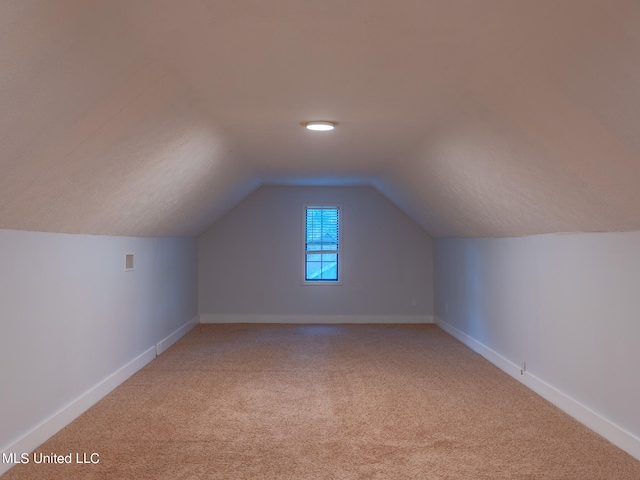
x,y
340,242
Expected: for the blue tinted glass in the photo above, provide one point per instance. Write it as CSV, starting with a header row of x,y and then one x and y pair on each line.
x,y
330,271
322,267
328,257
322,234
314,270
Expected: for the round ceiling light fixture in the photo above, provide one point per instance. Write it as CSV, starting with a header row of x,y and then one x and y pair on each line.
x,y
319,125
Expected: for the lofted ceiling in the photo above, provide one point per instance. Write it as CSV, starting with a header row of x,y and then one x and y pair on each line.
x,y
476,117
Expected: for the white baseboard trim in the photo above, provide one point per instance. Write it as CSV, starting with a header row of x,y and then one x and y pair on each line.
x,y
173,337
310,319
42,432
612,432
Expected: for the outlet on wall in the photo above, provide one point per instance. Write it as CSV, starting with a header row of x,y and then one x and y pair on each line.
x,y
523,368
358,286
128,262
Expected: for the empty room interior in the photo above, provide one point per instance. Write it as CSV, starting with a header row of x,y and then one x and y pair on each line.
x,y
320,239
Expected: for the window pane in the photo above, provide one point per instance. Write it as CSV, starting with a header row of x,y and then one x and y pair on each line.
x,y
330,271
314,270
322,226
321,235
328,257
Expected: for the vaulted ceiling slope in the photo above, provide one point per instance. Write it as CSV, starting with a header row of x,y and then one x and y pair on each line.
x,y
478,118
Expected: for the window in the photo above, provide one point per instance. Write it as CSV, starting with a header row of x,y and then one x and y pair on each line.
x,y
322,244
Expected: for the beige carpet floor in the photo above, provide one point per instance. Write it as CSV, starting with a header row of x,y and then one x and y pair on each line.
x,y
327,402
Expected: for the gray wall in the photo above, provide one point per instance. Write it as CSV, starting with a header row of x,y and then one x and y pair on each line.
x,y
70,316
568,305
250,262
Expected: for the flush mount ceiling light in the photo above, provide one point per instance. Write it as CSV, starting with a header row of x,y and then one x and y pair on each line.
x,y
319,125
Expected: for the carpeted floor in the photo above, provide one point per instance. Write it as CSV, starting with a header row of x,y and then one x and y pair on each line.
x,y
334,402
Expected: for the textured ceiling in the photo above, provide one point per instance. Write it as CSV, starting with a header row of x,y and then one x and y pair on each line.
x,y
478,118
